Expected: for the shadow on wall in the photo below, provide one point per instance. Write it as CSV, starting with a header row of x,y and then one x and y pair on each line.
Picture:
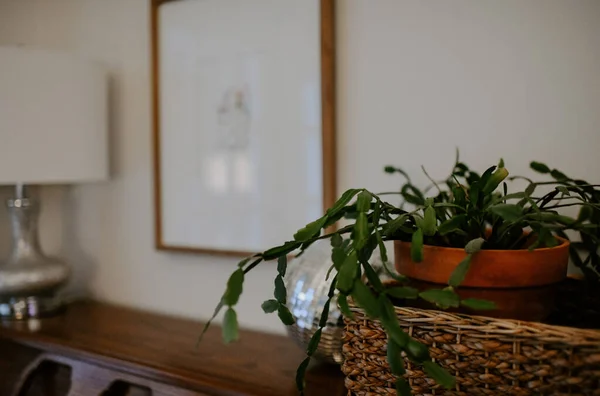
x,y
82,265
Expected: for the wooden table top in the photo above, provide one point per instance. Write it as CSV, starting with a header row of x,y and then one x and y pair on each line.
x,y
164,348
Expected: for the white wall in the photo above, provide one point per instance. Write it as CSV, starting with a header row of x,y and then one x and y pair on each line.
x,y
511,78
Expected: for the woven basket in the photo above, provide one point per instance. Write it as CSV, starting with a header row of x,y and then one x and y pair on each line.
x,y
487,356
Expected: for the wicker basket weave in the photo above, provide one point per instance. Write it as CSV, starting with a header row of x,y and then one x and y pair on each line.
x,y
487,356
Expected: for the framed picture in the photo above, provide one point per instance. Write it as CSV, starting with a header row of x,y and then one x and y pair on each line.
x,y
244,121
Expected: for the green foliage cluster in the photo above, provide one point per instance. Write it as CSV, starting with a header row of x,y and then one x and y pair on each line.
x,y
468,210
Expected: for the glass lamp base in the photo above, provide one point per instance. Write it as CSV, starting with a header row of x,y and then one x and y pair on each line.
x,y
29,280
23,308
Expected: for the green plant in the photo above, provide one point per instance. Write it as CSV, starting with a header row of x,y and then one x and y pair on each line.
x,y
468,210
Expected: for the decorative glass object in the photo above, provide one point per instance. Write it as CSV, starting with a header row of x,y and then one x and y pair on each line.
x,y
307,294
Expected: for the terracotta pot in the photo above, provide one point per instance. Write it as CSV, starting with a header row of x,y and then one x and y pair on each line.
x,y
529,303
489,268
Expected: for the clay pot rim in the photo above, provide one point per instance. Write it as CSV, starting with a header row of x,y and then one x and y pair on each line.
x,y
563,243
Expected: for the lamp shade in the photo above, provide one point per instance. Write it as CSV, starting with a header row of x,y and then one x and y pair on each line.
x,y
53,118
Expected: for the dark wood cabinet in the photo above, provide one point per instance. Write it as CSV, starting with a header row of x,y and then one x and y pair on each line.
x,y
99,349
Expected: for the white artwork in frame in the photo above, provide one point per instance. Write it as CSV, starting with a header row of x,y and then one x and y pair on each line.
x,y
244,123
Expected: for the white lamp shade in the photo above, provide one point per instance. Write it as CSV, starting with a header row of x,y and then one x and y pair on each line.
x,y
53,118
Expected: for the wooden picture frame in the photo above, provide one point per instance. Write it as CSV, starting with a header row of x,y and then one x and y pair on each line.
x,y
326,67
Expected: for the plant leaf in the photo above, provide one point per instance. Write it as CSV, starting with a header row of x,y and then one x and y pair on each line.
x,y
278,251
452,224
412,195
486,176
552,218
346,212
402,387
459,273
347,273
345,198
494,180
565,220
429,221
539,167
475,303
402,292
372,277
446,205
394,358
301,373
207,324
506,197
382,248
280,292
310,230
460,197
440,375
393,274
558,175
313,344
585,213
325,314
394,225
508,212
230,326
541,237
548,239
342,301
442,298
416,351
474,245
472,177
363,201
361,231
365,253
234,287
338,255
336,240
474,194
285,315
389,321
392,169
331,291
282,265
416,247
245,261
460,168
365,298
270,306
376,214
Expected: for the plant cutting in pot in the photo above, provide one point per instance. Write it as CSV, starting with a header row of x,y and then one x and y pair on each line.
x,y
471,231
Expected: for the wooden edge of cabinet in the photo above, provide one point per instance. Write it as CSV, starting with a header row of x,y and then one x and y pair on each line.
x,y
163,348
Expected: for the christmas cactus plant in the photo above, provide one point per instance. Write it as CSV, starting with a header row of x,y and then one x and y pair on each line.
x,y
467,210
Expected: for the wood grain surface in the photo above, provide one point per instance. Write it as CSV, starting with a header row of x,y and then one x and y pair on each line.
x,y
163,349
